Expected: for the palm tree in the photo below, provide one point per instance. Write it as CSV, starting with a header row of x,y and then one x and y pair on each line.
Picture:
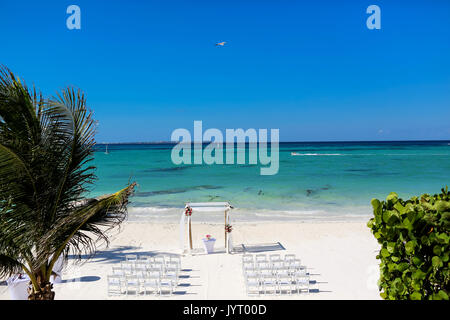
x,y
45,149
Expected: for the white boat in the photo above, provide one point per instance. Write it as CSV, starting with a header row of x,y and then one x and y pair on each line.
x,y
106,150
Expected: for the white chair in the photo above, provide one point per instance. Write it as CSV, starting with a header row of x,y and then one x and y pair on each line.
x,y
247,258
155,275
166,285
289,257
251,271
296,263
140,272
172,273
248,265
252,284
150,284
278,265
159,259
159,265
132,284
118,271
127,267
175,259
171,265
284,282
274,257
261,258
294,266
148,259
284,269
269,283
141,263
302,283
301,271
114,284
261,265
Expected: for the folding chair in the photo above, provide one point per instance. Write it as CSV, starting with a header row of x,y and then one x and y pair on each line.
x,y
132,283
114,284
252,284
261,258
166,284
289,257
274,257
150,282
127,267
284,281
302,283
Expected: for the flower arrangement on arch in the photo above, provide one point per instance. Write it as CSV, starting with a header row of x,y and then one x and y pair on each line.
x,y
228,228
188,211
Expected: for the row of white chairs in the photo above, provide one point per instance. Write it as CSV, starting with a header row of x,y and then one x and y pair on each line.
x,y
274,274
141,284
276,257
137,275
276,284
164,259
275,262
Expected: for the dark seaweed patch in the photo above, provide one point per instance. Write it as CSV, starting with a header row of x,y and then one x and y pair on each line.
x,y
358,170
175,190
172,169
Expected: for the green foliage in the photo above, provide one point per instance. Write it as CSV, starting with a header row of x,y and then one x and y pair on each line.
x,y
414,238
46,147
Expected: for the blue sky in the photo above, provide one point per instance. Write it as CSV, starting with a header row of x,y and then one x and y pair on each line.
x,y
310,68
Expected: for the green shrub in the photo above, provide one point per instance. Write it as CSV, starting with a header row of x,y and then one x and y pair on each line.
x,y
414,238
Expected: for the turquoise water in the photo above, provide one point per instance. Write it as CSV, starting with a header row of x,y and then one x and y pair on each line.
x,y
324,181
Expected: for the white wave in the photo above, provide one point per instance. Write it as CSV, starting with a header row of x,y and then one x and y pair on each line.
x,y
370,154
171,214
152,210
316,154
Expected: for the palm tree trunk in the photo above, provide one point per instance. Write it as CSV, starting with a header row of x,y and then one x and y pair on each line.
x,y
44,291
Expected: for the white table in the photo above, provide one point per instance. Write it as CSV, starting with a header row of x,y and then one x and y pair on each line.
x,y
17,287
209,245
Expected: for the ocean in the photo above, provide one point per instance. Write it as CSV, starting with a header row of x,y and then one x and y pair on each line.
x,y
320,181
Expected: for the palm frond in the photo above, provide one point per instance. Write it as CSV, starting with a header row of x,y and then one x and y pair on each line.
x,y
9,266
80,231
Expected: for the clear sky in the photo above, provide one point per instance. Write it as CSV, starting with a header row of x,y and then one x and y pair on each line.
x,y
310,68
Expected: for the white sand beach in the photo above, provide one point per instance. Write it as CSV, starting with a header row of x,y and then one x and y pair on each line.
x,y
340,257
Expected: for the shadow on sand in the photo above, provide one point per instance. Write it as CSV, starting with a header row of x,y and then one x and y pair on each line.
x,y
118,254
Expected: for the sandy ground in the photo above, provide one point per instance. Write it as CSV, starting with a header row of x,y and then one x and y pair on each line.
x,y
340,257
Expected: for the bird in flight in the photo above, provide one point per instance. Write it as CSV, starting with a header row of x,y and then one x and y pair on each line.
x,y
221,44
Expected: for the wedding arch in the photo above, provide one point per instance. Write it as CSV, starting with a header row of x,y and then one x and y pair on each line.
x,y
185,222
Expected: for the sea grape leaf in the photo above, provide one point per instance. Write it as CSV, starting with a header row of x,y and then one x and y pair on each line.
x,y
416,296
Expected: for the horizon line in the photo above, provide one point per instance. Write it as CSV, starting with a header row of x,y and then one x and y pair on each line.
x,y
311,141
